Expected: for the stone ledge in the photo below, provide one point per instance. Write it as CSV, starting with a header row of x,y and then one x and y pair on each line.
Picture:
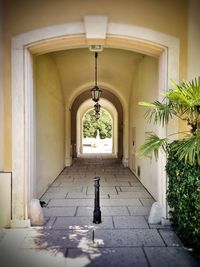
x,y
20,223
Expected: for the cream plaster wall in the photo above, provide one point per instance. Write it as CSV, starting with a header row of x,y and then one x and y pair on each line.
x,y
22,16
50,123
145,88
1,93
5,199
194,39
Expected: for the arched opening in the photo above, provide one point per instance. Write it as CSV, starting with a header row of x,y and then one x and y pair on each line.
x,y
97,135
112,112
113,105
41,41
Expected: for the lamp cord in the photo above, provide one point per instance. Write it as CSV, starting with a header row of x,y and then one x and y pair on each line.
x,y
96,55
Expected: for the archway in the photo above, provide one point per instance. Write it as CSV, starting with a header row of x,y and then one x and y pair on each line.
x,y
68,36
88,106
96,138
109,96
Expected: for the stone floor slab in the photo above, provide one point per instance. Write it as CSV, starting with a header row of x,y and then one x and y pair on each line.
x,y
139,210
87,179
120,202
105,211
170,237
108,257
81,195
12,238
127,238
169,257
42,257
111,183
59,211
77,184
56,183
103,190
129,222
65,189
47,239
147,202
136,188
63,178
82,223
70,202
48,196
131,195
122,180
34,258
49,222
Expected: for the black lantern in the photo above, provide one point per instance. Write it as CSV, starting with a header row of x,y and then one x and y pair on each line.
x,y
95,91
97,107
97,115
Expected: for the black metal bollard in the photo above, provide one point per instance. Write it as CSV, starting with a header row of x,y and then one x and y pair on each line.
x,y
97,211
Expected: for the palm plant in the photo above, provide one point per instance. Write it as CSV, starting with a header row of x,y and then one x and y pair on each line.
x,y
183,102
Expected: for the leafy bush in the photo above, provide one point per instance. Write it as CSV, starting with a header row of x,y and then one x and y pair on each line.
x,y
184,197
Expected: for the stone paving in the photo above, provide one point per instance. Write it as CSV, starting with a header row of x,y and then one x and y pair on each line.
x,y
69,238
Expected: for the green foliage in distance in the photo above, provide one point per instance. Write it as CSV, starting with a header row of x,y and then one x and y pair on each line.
x,y
184,197
103,124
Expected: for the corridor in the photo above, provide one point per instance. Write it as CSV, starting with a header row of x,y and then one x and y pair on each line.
x,y
69,238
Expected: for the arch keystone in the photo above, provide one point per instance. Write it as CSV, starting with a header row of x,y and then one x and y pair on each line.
x,y
96,29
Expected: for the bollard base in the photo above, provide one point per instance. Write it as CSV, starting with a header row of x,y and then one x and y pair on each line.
x,y
97,216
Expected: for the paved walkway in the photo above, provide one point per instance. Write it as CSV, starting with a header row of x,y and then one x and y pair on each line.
x,y
69,238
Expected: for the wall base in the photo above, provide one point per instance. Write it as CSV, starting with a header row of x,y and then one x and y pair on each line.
x,y
5,199
68,162
125,162
20,223
165,222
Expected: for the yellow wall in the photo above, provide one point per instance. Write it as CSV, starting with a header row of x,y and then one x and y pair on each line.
x,y
194,40
193,69
22,16
145,88
1,93
49,123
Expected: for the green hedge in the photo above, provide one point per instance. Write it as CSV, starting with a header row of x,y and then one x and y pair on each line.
x,y
184,197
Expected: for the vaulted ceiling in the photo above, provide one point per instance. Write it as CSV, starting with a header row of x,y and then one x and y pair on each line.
x,y
116,68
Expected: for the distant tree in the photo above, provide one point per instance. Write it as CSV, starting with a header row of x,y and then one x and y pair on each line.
x,y
103,124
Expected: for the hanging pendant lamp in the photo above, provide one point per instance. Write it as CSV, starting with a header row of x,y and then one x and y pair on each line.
x,y
97,107
97,116
96,91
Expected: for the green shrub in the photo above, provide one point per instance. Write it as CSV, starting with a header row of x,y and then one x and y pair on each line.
x,y
184,197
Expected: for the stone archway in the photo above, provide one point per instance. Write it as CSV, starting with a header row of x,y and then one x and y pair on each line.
x,y
73,111
110,109
66,36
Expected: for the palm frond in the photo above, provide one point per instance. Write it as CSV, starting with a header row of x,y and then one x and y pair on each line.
x,y
187,93
158,112
188,149
146,104
151,146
